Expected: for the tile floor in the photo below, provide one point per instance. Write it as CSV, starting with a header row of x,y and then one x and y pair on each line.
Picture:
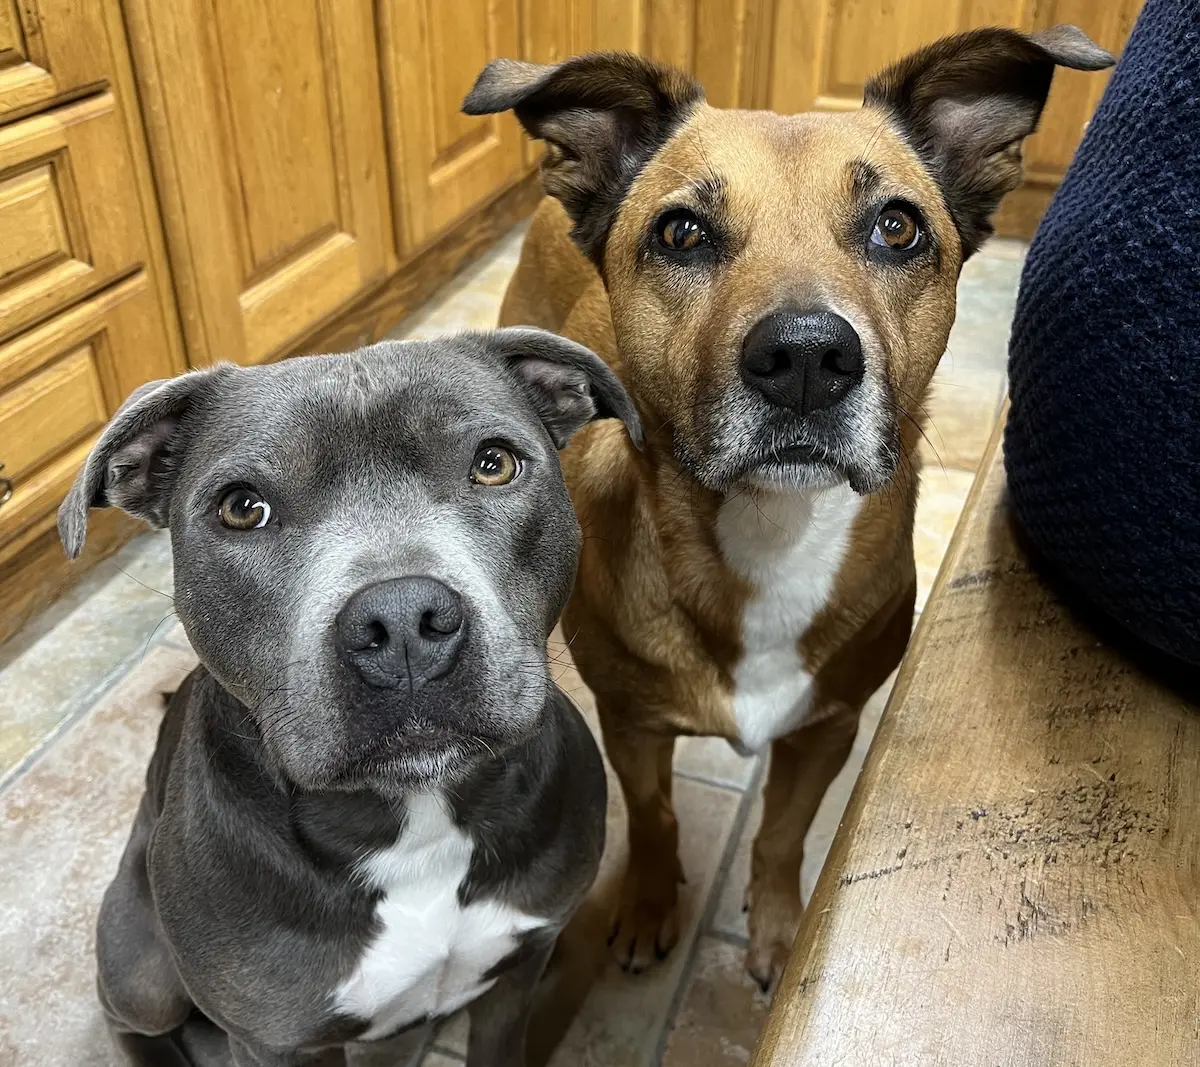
x,y
79,707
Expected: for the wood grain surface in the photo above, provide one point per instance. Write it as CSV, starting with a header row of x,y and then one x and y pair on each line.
x,y
1016,880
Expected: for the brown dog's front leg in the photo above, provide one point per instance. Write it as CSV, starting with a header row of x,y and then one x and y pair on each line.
x,y
803,765
646,922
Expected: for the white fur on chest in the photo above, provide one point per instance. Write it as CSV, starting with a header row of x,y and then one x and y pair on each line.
x,y
789,547
431,954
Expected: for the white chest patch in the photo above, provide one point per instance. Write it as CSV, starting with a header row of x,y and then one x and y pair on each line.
x,y
789,547
431,954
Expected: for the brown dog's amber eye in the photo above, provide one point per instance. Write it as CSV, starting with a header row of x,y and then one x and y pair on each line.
x,y
244,509
896,228
681,232
494,465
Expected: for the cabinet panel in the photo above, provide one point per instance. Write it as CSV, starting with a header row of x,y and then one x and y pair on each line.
x,y
445,163
833,46
60,381
69,209
267,127
48,412
725,43
51,49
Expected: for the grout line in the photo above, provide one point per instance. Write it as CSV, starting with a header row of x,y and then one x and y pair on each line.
x,y
441,1050
705,926
715,783
730,939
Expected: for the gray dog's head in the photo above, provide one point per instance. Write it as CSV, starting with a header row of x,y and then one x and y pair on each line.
x,y
370,549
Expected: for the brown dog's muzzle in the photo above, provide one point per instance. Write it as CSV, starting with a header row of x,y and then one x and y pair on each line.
x,y
805,361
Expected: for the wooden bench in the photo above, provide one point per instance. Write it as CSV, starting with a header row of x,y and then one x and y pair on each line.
x,y
1016,879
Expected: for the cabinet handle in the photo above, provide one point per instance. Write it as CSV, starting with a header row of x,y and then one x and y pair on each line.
x,y
6,488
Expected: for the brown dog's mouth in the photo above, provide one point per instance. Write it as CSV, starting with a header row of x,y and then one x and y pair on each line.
x,y
798,455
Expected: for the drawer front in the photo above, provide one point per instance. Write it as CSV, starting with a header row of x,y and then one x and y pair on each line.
x,y
69,210
50,411
59,382
50,49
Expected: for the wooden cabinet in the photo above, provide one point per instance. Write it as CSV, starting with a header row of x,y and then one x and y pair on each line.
x,y
86,313
314,180
725,43
265,125
67,207
446,163
826,49
40,62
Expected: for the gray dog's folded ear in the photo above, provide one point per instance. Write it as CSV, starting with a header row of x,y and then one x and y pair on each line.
x,y
602,117
966,103
569,384
132,466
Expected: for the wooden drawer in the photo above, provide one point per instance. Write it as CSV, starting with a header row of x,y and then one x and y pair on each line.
x,y
51,50
50,411
59,383
68,209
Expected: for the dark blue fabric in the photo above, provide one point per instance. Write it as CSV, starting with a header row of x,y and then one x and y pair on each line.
x,y
1102,448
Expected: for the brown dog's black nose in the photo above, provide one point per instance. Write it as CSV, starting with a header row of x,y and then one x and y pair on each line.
x,y
401,632
805,361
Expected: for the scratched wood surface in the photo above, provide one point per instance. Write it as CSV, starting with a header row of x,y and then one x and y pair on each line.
x,y
1016,880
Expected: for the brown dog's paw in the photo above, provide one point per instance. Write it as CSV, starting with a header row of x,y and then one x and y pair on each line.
x,y
765,964
774,920
645,926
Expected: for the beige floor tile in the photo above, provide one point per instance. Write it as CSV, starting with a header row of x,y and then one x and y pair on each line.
x,y
620,1022
712,759
63,825
943,493
962,409
721,1012
63,661
728,917
440,1059
987,295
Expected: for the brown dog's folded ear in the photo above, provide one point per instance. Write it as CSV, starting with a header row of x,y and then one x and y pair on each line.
x,y
602,117
132,466
569,384
966,103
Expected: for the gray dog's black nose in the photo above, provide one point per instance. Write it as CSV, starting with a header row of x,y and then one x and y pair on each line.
x,y
403,632
805,361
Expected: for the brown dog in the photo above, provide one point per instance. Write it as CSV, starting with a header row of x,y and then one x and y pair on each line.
x,y
776,291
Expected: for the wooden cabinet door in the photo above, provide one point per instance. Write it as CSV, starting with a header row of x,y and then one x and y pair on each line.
x,y
1073,99
726,44
266,128
445,163
824,51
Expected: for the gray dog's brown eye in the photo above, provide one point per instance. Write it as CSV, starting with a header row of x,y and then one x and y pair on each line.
x,y
244,509
494,465
681,231
896,228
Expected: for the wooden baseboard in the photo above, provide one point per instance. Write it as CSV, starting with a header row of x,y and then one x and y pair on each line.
x,y
35,574
381,310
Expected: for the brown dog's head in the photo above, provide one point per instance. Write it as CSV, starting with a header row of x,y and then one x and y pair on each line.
x,y
782,286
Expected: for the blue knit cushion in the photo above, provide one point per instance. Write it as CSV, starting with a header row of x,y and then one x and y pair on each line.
x,y
1102,447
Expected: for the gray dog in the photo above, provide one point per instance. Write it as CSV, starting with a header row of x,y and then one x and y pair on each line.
x,y
369,805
